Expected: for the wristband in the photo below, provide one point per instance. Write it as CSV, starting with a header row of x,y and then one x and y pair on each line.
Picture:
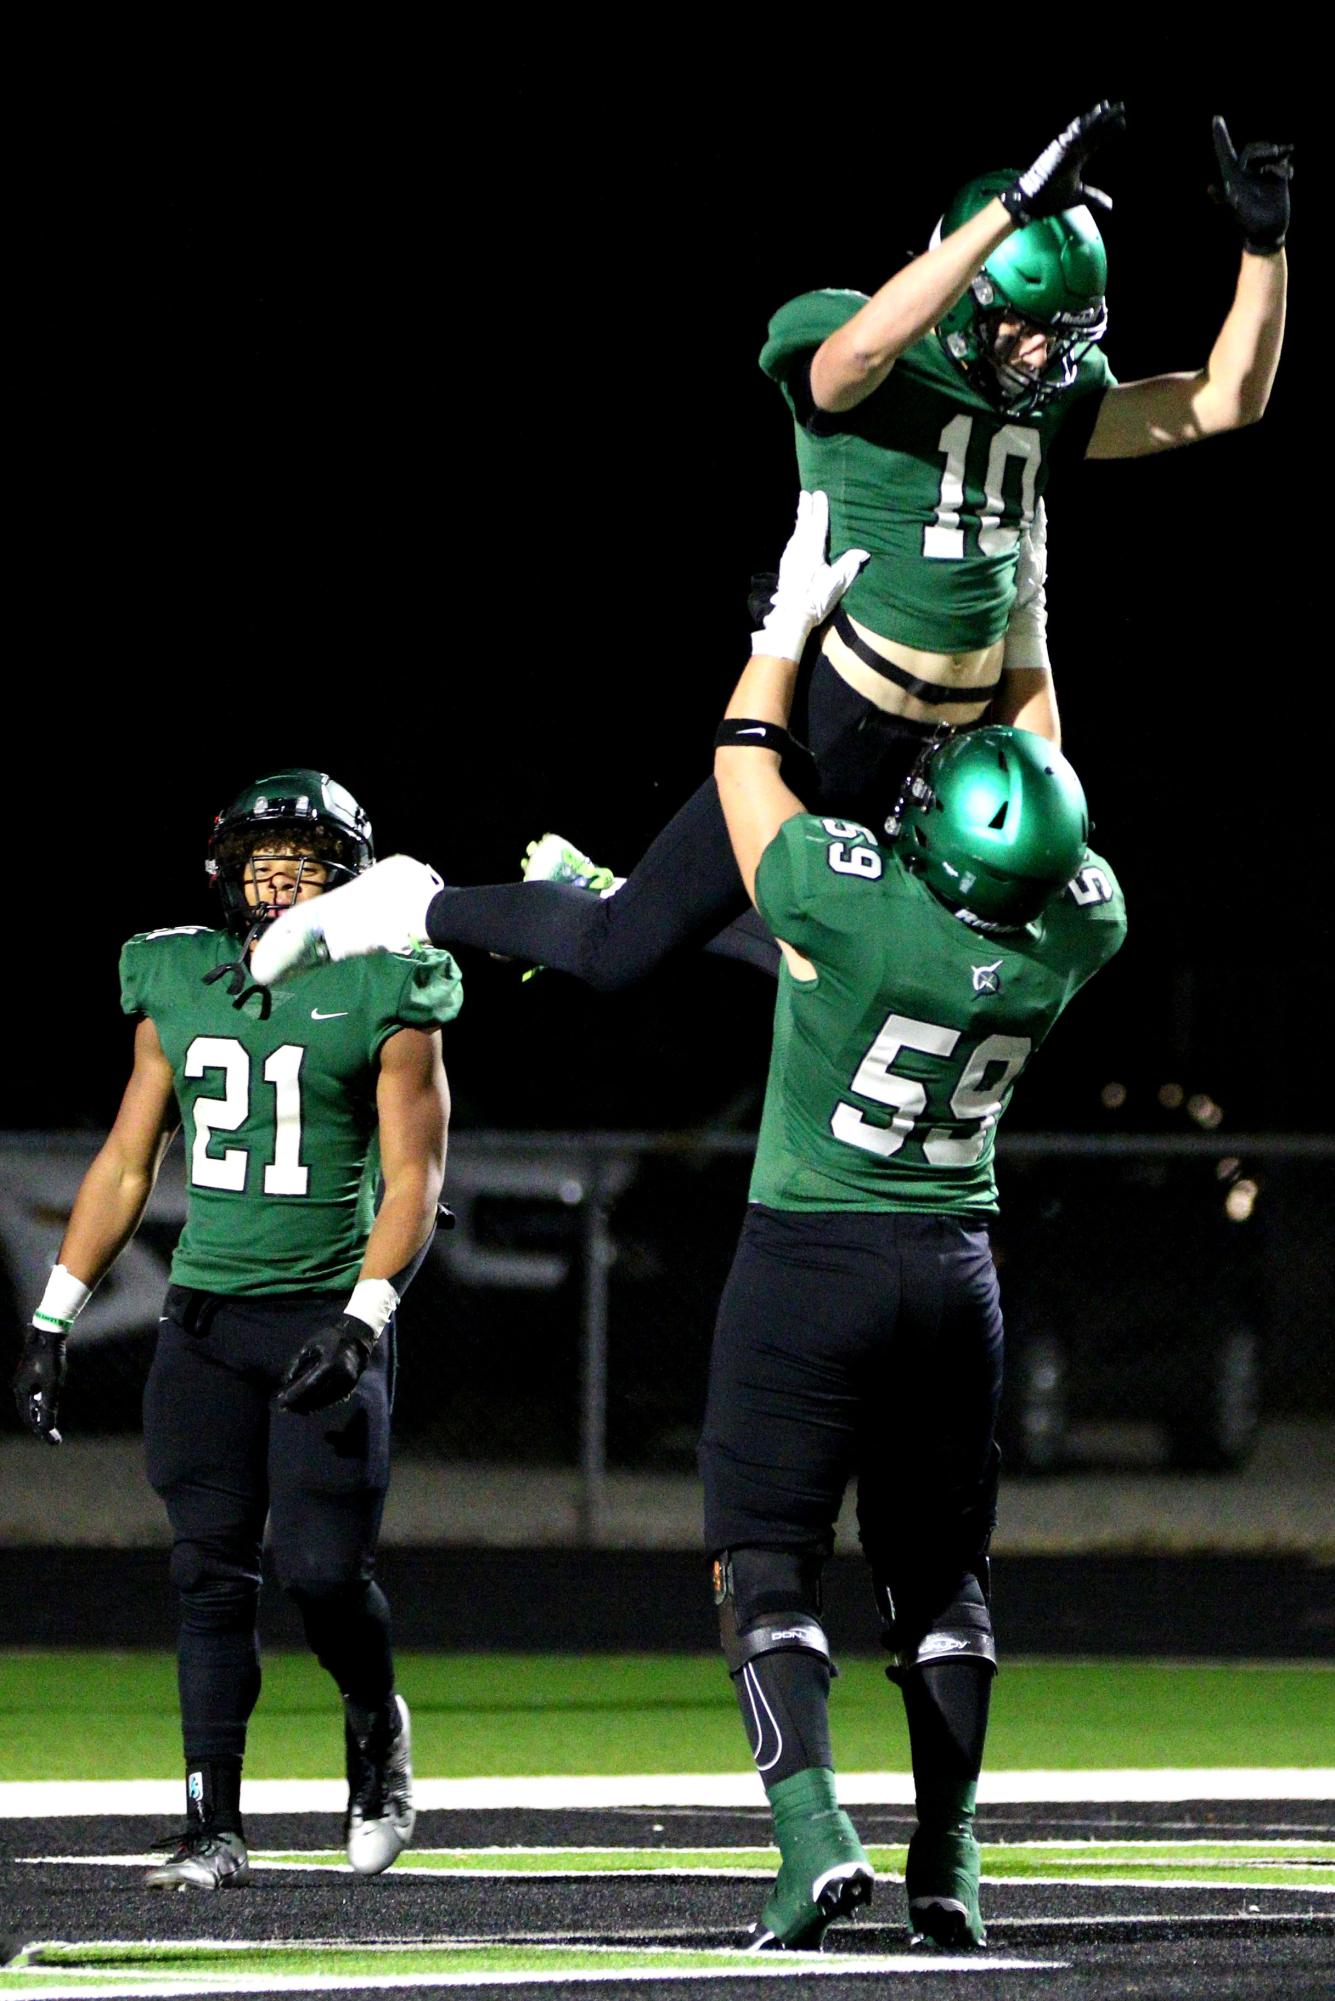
x,y
62,1302
745,732
372,1300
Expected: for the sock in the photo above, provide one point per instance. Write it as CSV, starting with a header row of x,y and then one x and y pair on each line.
x,y
946,1705
213,1795
375,1728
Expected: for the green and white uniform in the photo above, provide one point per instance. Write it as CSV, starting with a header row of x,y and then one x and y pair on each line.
x,y
928,475
890,1070
279,1114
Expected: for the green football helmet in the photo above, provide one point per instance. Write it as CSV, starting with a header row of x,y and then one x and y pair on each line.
x,y
1051,274
995,823
305,805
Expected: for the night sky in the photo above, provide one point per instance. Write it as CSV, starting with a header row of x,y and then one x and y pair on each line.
x,y
426,444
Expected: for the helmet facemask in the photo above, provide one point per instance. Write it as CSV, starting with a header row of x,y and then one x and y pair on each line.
x,y
307,853
1050,276
983,351
300,813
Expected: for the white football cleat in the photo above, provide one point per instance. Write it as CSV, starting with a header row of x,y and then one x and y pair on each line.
x,y
383,909
380,1818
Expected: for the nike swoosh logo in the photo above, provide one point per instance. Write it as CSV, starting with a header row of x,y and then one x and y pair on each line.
x,y
750,732
337,1015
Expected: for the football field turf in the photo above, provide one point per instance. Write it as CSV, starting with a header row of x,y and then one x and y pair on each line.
x,y
593,1825
86,1716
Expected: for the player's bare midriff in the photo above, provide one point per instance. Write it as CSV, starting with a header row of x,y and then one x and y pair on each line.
x,y
962,671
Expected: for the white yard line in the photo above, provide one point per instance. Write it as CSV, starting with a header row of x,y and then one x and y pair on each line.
x,y
46,1799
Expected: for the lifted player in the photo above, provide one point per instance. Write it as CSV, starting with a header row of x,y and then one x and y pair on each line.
x,y
860,1333
270,1389
932,413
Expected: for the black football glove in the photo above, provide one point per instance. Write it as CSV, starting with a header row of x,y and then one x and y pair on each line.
x,y
1054,181
327,1367
38,1380
1255,185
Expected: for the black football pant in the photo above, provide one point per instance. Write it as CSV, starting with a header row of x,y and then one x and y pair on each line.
x,y
685,889
224,1460
867,1346
858,1345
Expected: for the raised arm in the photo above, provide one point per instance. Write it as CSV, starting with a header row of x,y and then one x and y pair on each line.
x,y
753,736
1027,699
107,1211
1233,388
858,356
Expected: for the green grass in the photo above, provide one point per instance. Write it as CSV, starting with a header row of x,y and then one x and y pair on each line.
x,y
102,1968
1291,1864
73,1715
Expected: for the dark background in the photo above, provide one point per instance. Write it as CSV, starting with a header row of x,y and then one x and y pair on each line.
x,y
401,417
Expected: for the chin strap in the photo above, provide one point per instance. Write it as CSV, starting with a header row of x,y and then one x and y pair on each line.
x,y
237,973
915,786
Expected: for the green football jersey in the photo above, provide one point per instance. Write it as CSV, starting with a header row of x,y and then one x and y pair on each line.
x,y
279,1115
890,1070
926,474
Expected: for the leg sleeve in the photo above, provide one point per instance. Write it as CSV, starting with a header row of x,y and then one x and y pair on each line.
x,y
684,889
329,1473
205,1431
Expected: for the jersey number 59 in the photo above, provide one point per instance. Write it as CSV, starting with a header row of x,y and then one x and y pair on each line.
x,y
973,1095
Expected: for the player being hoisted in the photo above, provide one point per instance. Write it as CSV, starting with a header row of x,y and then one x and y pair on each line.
x,y
933,414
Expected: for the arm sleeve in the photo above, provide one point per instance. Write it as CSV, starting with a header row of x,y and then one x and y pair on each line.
x,y
427,993
1027,629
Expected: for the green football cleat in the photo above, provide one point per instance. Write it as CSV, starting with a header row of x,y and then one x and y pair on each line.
x,y
825,1873
551,859
941,1879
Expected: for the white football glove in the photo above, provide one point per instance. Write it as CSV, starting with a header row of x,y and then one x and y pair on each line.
x,y
809,588
383,909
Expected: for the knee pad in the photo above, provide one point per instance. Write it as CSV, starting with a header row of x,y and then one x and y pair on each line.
x,y
961,1630
767,1602
217,1594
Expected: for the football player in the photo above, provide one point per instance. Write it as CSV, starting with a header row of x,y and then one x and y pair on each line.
x,y
933,412
859,1333
860,1330
270,1388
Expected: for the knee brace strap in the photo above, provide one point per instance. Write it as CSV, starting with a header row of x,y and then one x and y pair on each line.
x,y
776,1629
961,1631
786,1636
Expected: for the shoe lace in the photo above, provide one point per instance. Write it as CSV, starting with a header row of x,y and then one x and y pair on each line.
x,y
187,1841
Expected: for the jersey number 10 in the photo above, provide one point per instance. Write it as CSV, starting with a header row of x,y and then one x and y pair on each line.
x,y
944,537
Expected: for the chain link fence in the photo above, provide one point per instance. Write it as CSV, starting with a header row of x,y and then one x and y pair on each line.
x,y
1177,1281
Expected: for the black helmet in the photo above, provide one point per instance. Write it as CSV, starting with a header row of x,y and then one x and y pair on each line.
x,y
308,805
